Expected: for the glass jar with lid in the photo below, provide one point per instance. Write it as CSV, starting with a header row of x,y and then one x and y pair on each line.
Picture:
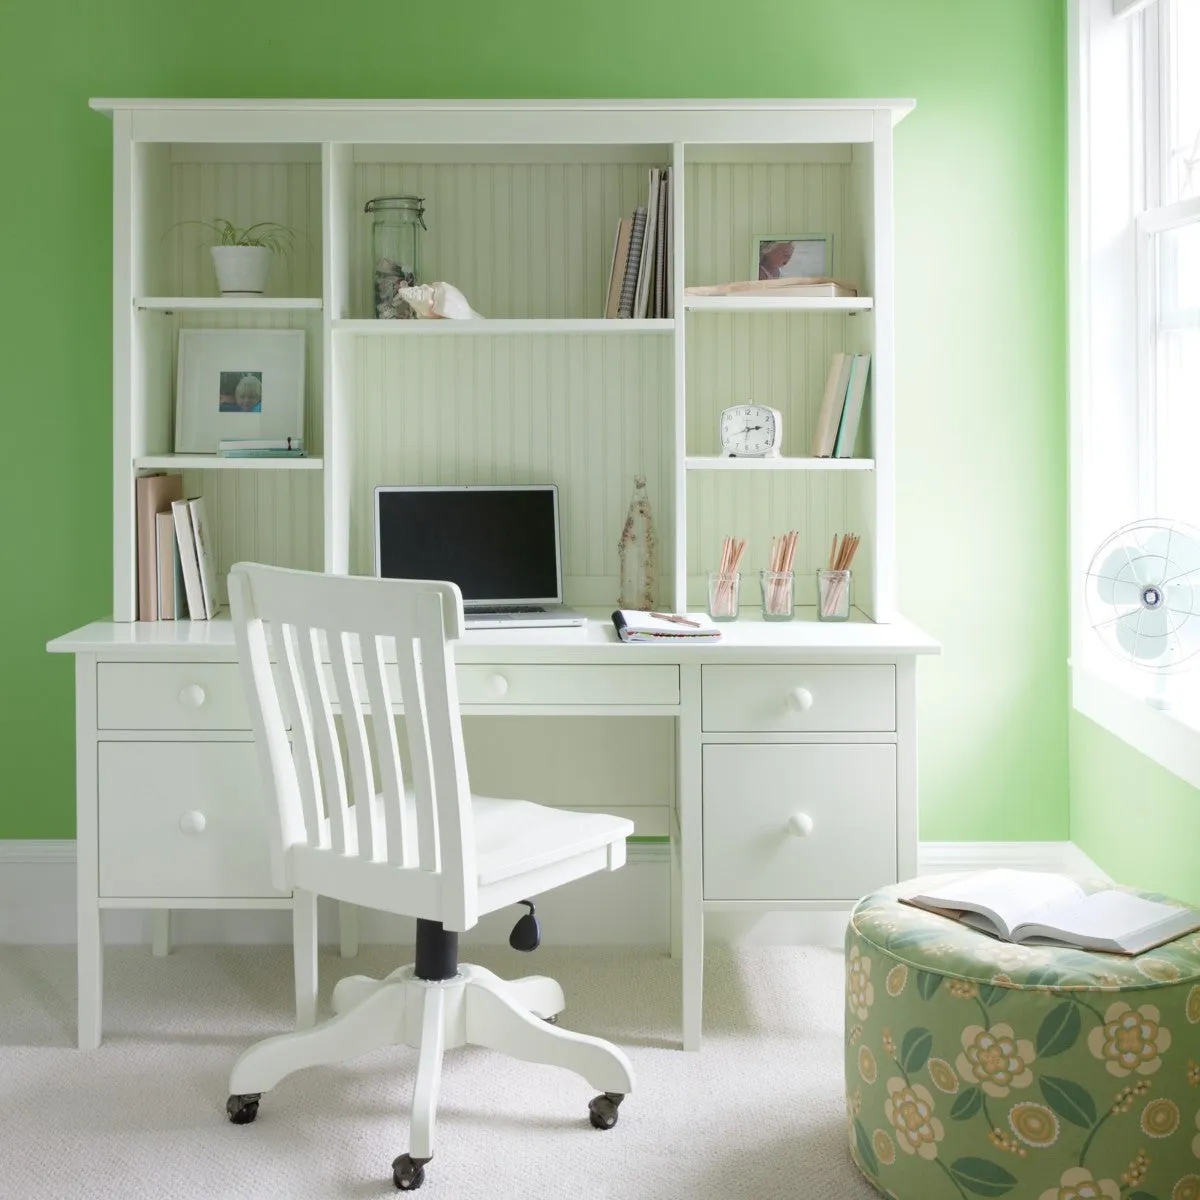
x,y
396,225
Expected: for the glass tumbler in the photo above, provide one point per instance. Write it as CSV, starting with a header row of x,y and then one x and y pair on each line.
x,y
396,225
723,588
833,595
778,595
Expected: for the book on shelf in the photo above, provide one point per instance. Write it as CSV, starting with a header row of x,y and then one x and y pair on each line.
x,y
1041,908
152,494
262,453
189,564
658,308
649,248
856,390
635,626
233,445
171,603
826,428
616,273
669,308
637,234
205,560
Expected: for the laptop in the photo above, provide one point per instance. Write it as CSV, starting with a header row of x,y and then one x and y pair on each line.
x,y
500,544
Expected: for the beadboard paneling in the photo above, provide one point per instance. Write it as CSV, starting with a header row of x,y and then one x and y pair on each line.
x,y
778,359
519,239
244,193
727,205
758,505
587,413
261,516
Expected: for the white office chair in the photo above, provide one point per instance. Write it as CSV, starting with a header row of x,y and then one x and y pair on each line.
x,y
430,850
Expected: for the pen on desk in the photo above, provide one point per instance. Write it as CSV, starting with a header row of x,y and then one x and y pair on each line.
x,y
676,618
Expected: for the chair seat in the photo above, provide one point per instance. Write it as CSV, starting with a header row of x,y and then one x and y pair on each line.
x,y
514,837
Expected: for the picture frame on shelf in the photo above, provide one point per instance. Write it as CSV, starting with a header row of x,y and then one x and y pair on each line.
x,y
792,256
238,383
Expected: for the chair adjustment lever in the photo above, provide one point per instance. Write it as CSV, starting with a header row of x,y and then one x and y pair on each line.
x,y
526,934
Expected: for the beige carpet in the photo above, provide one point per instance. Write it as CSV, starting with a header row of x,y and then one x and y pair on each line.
x,y
757,1114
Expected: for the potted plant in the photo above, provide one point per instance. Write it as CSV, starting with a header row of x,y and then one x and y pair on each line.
x,y
242,257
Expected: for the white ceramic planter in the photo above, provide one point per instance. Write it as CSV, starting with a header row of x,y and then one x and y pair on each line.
x,y
241,270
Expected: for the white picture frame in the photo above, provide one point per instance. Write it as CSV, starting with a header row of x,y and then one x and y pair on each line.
x,y
238,383
811,256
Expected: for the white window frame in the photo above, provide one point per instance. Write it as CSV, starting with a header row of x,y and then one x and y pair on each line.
x,y
1115,148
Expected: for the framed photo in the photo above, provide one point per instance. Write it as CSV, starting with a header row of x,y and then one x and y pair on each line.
x,y
238,383
792,255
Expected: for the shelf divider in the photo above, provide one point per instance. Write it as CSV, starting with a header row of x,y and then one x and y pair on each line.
x,y
214,462
228,303
697,462
533,325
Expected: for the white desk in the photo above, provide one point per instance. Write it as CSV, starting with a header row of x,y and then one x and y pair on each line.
x,y
796,765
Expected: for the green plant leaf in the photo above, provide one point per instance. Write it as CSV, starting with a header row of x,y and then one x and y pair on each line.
x,y
966,1104
1071,1101
991,993
982,1177
928,983
914,1050
1059,1031
866,1152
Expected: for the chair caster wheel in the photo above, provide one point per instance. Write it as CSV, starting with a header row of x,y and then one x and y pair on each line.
x,y
602,1111
243,1109
553,1020
408,1173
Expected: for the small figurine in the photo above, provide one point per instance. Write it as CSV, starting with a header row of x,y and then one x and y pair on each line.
x,y
637,551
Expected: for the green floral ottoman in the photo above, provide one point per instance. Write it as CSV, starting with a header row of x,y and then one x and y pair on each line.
x,y
979,1068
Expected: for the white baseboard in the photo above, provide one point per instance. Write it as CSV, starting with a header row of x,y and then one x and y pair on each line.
x,y
631,907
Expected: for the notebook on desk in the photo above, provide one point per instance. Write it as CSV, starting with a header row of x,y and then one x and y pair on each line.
x,y
500,544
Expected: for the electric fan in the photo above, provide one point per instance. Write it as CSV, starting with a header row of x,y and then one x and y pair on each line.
x,y
1143,597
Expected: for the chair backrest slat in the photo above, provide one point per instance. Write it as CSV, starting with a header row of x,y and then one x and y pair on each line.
x,y
329,757
408,663
308,775
426,831
400,835
362,776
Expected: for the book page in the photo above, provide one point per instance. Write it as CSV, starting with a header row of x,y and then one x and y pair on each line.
x,y
1014,897
1102,917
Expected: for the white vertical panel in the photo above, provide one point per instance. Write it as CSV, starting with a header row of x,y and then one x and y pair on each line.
x,y
242,192
583,412
519,239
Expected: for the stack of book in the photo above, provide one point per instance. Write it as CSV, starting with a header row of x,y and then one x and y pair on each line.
x,y
643,259
285,447
841,406
176,569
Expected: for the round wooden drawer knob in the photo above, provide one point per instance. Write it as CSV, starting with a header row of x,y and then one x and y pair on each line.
x,y
192,696
800,699
192,822
800,824
499,685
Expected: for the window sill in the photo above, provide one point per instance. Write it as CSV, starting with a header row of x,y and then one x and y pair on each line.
x,y
1113,699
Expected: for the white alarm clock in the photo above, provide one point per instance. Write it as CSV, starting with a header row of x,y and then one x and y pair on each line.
x,y
751,431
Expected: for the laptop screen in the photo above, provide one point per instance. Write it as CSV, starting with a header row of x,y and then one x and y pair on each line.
x,y
499,544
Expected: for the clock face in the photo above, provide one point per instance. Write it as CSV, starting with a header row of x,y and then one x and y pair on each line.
x,y
749,430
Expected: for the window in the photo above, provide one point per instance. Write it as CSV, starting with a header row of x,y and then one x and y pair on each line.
x,y
1135,330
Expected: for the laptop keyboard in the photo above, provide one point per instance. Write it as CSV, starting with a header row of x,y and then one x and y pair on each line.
x,y
497,609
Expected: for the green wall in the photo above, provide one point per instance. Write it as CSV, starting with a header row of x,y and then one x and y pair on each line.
x,y
980,178
1136,820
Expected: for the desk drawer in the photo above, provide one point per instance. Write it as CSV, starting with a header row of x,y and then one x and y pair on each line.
x,y
809,822
176,695
549,684
182,819
799,699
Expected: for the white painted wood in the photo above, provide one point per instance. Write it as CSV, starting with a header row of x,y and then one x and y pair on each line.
x,y
690,838
776,304
429,1073
347,931
679,425
758,800
364,327
170,695
180,819
227,303
89,930
128,396
304,957
705,462
160,932
590,685
907,807
175,463
812,699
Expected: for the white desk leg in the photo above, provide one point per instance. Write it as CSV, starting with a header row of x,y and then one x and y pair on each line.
x,y
691,855
90,931
160,932
348,929
91,972
304,954
676,898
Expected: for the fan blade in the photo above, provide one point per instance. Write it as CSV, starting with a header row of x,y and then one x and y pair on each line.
x,y
1143,635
